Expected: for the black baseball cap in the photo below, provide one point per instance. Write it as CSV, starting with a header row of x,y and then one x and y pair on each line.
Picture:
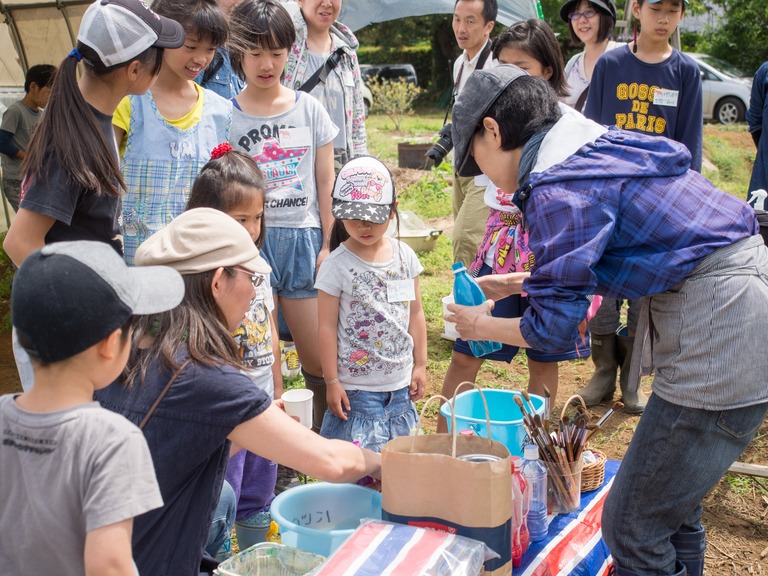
x,y
482,89
604,5
69,296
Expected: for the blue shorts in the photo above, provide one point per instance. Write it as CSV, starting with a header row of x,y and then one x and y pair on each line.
x,y
513,307
374,418
292,254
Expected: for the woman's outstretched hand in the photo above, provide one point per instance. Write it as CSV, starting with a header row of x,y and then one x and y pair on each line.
x,y
466,318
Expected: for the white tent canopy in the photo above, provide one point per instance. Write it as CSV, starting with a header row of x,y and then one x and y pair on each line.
x,y
44,31
359,13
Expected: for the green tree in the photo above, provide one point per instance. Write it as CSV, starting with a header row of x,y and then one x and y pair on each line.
x,y
742,34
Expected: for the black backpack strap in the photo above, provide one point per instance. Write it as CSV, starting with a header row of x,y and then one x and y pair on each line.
x,y
322,73
579,106
480,63
484,55
210,72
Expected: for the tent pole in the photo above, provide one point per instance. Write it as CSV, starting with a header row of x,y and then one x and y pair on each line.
x,y
63,9
15,38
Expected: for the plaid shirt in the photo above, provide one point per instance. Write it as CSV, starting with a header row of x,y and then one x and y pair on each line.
x,y
622,217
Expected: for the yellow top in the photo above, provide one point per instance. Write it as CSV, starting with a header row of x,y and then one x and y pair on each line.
x,y
122,117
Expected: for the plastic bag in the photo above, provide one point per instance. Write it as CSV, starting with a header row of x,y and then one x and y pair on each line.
x,y
377,547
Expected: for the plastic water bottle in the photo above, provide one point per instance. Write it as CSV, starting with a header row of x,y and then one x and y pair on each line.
x,y
467,292
535,474
520,538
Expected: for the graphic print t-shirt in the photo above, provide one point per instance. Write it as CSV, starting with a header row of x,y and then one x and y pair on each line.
x,y
254,339
284,146
662,99
375,350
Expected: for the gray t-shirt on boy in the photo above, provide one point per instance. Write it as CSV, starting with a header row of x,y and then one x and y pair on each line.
x,y
375,350
63,474
20,120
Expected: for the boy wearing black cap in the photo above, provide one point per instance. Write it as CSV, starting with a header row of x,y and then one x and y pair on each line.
x,y
621,214
72,474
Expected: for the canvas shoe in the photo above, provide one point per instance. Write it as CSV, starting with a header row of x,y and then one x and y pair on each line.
x,y
290,367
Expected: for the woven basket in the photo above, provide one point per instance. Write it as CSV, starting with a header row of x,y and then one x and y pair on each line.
x,y
592,475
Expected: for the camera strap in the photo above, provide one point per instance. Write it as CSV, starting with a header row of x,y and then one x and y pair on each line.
x,y
479,66
322,73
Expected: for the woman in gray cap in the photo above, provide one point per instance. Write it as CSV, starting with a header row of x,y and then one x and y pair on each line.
x,y
590,22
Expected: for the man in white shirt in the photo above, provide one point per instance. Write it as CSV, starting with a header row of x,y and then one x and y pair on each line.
x,y
473,21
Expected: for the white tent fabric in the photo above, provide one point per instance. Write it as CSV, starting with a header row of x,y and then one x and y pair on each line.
x,y
36,32
360,13
44,31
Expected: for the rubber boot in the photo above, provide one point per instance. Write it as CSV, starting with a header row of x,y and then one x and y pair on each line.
x,y
319,402
634,401
690,548
618,571
603,382
252,530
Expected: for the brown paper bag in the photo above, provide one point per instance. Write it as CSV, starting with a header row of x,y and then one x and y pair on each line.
x,y
424,484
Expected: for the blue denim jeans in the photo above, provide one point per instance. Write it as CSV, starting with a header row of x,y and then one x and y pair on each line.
x,y
374,418
292,254
223,519
676,456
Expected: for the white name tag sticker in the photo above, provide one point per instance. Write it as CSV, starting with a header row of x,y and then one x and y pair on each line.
x,y
400,291
295,137
663,97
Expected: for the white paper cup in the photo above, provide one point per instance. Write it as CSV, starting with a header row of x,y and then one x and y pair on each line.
x,y
298,402
449,328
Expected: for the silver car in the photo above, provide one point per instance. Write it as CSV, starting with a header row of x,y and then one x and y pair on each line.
x,y
725,89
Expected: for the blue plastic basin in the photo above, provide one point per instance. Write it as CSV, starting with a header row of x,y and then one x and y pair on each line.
x,y
319,517
506,417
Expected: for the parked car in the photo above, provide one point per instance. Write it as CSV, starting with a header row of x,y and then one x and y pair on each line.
x,y
725,89
389,72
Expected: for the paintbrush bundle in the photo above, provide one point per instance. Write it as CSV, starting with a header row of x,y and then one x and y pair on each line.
x,y
560,451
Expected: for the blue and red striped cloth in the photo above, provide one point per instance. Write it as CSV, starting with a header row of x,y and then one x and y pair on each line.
x,y
574,545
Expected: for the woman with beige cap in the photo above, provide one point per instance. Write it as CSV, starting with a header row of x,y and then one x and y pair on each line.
x,y
184,375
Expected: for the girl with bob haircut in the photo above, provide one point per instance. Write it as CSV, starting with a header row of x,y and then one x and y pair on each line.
x,y
166,135
290,135
534,39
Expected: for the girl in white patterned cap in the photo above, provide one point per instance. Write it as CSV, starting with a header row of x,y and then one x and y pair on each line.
x,y
373,335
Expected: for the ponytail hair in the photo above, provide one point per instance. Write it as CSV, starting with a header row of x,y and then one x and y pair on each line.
x,y
87,159
230,179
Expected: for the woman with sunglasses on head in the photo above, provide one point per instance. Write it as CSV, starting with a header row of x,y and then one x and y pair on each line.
x,y
590,22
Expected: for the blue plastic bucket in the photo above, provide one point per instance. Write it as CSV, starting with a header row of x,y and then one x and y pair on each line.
x,y
319,517
506,417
